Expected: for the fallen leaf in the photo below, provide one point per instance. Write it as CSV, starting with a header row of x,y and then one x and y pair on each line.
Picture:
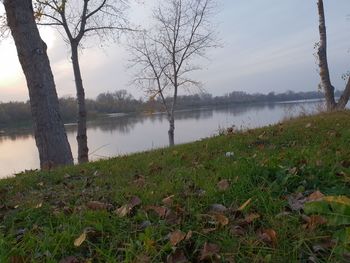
x,y
217,208
176,237
189,235
293,170
268,236
210,252
296,201
251,218
172,218
245,204
325,245
238,231
344,200
221,219
168,201
312,222
96,205
80,240
135,201
345,163
161,211
223,185
315,196
123,210
178,256
126,209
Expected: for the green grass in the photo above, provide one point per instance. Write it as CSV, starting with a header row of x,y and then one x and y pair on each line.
x,y
42,213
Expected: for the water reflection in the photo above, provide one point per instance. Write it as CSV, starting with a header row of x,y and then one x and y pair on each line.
x,y
110,136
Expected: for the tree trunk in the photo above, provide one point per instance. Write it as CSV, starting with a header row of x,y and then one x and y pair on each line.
x,y
171,131
344,97
50,135
83,150
323,62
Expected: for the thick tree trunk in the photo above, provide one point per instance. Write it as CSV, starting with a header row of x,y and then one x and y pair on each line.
x,y
171,131
83,150
323,62
50,136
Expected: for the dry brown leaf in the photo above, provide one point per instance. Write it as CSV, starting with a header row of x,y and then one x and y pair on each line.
x,y
221,219
312,222
161,211
126,209
316,196
80,240
178,256
96,205
223,185
123,210
296,201
244,205
210,252
217,208
251,218
168,201
38,205
268,236
189,235
176,237
238,231
135,201
172,218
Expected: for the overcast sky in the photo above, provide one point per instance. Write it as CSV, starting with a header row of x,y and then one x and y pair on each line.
x,y
267,46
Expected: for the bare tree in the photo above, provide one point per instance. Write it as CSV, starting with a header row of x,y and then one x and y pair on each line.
x,y
50,135
165,53
326,83
80,19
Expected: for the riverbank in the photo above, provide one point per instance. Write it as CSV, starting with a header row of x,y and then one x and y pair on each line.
x,y
254,196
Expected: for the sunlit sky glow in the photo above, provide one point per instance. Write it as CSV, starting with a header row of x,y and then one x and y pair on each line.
x,y
267,46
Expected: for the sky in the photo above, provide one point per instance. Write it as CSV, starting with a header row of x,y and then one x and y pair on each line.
x,y
266,46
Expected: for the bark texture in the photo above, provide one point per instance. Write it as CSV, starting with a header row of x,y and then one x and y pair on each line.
x,y
324,69
83,150
171,131
50,136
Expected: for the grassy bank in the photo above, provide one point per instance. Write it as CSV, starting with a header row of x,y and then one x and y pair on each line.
x,y
238,197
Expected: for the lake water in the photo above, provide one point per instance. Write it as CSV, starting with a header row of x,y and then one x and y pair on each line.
x,y
119,135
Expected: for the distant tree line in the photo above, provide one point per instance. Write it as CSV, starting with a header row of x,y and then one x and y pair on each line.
x,y
15,113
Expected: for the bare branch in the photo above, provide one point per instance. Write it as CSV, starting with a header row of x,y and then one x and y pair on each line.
x,y
165,53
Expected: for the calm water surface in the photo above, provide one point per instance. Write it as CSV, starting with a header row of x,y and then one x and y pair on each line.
x,y
118,135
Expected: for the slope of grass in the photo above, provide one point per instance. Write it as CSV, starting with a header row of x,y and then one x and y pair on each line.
x,y
115,211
